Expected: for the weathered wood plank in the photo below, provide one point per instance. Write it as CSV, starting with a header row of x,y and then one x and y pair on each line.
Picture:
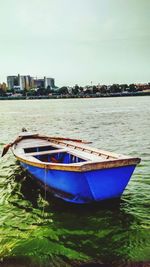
x,y
39,153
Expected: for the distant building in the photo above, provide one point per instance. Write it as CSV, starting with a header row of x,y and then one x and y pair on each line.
x,y
49,82
19,81
3,86
27,82
44,83
39,83
12,81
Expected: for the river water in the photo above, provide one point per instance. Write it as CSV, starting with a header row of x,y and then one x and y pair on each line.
x,y
39,231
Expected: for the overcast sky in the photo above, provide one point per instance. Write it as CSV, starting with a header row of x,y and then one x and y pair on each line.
x,y
76,41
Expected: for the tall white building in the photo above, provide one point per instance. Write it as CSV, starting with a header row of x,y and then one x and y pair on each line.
x,y
49,82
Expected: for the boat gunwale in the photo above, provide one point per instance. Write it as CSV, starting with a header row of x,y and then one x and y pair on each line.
x,y
81,167
88,165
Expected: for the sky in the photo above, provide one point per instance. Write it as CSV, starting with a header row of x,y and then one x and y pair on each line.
x,y
76,41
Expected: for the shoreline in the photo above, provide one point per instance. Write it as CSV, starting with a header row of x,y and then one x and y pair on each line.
x,y
74,96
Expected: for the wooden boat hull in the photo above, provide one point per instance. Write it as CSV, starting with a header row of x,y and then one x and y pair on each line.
x,y
84,187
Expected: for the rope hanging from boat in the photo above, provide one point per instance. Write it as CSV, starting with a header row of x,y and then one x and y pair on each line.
x,y
45,176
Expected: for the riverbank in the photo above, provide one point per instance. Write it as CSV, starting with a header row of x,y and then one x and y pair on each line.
x,y
68,96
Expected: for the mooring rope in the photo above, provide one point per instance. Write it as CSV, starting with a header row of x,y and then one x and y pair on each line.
x,y
45,176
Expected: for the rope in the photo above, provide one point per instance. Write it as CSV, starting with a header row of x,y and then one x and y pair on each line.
x,y
45,176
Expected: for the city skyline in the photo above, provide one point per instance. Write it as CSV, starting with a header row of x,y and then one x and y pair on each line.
x,y
27,82
104,42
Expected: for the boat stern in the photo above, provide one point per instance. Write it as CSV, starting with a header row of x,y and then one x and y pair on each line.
x,y
109,183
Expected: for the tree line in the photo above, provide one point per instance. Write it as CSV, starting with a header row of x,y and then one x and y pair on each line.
x,y
76,90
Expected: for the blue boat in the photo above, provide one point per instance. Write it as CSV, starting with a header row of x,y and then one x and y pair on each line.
x,y
71,169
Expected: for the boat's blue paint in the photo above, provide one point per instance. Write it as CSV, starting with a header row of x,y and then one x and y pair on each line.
x,y
84,187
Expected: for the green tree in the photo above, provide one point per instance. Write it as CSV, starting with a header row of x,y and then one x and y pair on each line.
x,y
132,88
63,90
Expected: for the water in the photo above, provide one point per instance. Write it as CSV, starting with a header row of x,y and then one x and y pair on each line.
x,y
38,231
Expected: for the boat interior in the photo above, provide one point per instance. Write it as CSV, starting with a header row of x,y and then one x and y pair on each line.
x,y
52,154
60,152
